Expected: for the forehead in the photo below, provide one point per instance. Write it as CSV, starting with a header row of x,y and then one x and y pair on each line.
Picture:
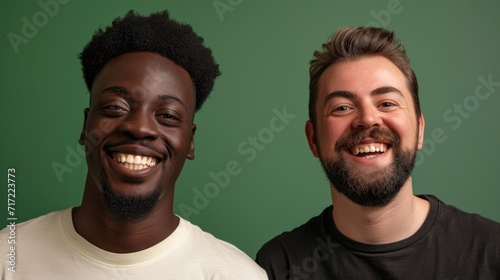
x,y
145,73
362,76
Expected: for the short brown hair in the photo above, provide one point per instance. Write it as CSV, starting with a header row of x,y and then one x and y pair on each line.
x,y
350,43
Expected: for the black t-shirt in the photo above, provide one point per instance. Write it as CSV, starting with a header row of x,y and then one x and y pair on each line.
x,y
451,244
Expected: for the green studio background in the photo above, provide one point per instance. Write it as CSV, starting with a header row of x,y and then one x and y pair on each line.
x,y
263,48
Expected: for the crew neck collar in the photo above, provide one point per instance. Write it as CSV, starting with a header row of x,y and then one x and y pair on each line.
x,y
381,248
84,248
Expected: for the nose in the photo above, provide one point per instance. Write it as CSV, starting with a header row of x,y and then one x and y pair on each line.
x,y
367,117
140,124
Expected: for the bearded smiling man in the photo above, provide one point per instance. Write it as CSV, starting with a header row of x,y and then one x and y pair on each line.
x,y
365,126
147,76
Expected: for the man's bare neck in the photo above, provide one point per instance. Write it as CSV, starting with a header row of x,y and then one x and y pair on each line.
x,y
93,223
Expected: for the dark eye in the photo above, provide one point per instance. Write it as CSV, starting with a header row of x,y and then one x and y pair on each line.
x,y
342,108
167,116
169,119
387,104
113,107
113,110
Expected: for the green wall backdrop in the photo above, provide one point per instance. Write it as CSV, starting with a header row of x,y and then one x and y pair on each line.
x,y
263,48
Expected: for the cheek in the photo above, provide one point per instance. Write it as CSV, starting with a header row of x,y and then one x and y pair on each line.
x,y
97,130
178,139
94,134
405,127
334,128
329,133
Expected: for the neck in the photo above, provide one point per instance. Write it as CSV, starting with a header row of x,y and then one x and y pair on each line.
x,y
92,221
398,220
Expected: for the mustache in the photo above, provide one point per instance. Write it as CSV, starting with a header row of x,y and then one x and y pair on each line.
x,y
145,144
380,134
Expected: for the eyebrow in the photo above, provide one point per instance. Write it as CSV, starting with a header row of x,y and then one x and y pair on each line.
x,y
125,91
166,97
351,95
120,90
383,90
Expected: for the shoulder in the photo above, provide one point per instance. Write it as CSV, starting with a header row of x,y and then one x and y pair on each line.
x,y
466,228
452,216
208,243
30,239
472,239
47,227
39,223
310,230
219,254
279,252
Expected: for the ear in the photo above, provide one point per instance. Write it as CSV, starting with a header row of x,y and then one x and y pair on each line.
x,y
311,139
81,141
421,126
190,154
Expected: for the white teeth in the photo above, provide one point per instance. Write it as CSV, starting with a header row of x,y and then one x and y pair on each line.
x,y
134,162
137,160
379,148
130,159
372,156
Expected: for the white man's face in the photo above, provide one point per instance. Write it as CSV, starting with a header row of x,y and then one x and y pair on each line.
x,y
366,121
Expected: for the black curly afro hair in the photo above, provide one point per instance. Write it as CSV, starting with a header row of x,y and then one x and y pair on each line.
x,y
156,33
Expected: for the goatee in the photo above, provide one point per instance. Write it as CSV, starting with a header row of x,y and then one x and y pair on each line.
x,y
377,187
128,208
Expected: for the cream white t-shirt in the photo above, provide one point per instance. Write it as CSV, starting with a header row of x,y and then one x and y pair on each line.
x,y
48,247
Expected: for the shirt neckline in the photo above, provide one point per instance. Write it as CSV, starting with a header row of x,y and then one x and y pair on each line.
x,y
89,251
382,248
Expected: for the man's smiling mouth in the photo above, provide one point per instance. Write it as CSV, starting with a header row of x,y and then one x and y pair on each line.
x,y
134,162
368,150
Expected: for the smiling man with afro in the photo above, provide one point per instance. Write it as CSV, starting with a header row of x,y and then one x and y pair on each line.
x,y
147,76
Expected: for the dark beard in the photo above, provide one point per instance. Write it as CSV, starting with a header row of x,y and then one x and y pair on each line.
x,y
376,188
128,208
